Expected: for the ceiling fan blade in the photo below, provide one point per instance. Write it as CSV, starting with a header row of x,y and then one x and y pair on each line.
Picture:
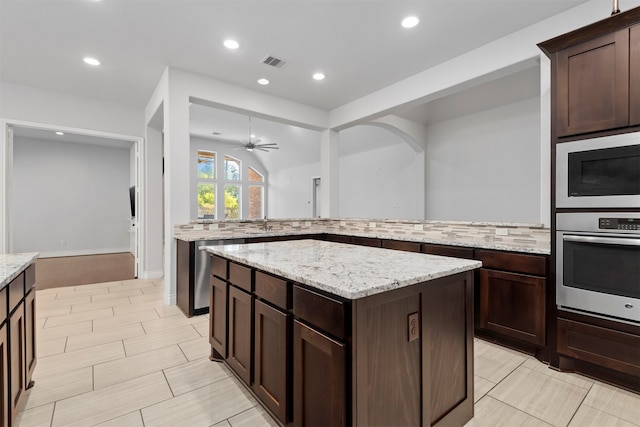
x,y
261,149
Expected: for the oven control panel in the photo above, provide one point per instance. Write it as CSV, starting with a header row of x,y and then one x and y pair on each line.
x,y
619,223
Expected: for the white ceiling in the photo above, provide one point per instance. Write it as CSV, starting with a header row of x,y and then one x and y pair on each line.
x,y
358,44
50,135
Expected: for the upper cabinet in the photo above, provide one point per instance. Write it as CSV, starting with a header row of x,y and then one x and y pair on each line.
x,y
596,76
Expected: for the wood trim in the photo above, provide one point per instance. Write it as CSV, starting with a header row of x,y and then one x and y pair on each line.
x,y
597,29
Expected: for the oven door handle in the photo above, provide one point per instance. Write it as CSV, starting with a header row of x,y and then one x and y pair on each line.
x,y
604,240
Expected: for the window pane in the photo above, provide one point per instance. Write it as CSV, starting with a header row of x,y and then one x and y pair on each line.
x,y
254,175
206,164
206,200
231,169
255,200
232,201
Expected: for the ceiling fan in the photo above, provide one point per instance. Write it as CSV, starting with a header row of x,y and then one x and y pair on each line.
x,y
254,144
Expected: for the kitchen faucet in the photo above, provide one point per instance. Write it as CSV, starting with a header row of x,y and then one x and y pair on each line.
x,y
264,224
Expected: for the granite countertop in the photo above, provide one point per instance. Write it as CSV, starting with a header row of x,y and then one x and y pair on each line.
x,y
345,270
11,265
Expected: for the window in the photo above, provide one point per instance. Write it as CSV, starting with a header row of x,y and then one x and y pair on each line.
x,y
256,194
232,194
231,169
206,184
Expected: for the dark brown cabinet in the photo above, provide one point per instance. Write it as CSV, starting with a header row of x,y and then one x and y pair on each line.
x,y
4,374
271,358
513,305
240,333
17,353
29,335
319,386
218,317
595,76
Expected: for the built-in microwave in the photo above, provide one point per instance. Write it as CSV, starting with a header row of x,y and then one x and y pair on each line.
x,y
598,264
599,172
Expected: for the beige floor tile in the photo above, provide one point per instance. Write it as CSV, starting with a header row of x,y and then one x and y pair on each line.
x,y
52,311
124,319
81,292
160,339
36,417
494,363
481,387
615,401
78,317
40,323
147,298
80,308
196,349
100,285
169,310
40,303
111,402
540,395
117,293
202,407
163,323
193,375
106,374
64,331
567,377
591,417
46,295
90,339
489,412
138,283
137,307
202,327
224,423
51,386
254,417
50,347
134,419
81,358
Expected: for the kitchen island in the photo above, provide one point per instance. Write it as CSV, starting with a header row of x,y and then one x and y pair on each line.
x,y
333,334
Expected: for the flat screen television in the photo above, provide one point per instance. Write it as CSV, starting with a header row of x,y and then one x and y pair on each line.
x,y
132,199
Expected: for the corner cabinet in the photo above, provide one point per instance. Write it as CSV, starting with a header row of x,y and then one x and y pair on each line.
x,y
596,76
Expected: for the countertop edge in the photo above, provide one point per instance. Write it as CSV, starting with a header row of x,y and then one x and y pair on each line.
x,y
25,260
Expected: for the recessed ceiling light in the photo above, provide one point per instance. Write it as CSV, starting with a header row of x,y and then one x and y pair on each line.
x,y
59,133
253,135
410,21
91,61
263,81
231,44
318,76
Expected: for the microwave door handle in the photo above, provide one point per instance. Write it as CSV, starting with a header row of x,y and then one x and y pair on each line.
x,y
605,240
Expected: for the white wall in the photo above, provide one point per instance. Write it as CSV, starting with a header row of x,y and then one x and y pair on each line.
x,y
486,166
247,160
291,191
381,176
73,192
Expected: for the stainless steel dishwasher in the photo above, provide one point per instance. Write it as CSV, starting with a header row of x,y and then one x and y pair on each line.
x,y
201,270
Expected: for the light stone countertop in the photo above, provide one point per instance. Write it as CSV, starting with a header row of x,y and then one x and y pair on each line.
x,y
11,265
348,271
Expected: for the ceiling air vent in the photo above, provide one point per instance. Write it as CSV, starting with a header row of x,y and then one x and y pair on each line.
x,y
274,62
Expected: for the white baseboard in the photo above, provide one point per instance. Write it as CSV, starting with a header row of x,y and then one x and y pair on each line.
x,y
152,275
170,299
83,252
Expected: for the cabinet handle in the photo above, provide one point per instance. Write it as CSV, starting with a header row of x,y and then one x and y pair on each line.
x,y
606,240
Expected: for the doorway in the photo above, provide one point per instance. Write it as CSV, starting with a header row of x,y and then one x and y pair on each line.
x,y
316,197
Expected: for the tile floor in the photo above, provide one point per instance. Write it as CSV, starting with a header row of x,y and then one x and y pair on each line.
x,y
112,354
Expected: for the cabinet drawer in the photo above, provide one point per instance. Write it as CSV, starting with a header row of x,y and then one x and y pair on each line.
x,y
400,245
602,346
321,311
444,250
272,289
240,276
16,292
29,278
365,241
521,263
3,305
218,267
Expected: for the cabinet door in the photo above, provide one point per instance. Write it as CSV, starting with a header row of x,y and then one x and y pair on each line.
x,y
17,359
4,377
319,395
240,316
271,357
30,335
592,85
184,276
634,76
513,305
218,316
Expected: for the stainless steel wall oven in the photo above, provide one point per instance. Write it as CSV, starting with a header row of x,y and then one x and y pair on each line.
x,y
598,264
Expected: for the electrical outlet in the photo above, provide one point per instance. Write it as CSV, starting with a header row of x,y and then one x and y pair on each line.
x,y
413,324
307,223
417,227
502,231
63,242
372,225
295,224
198,227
